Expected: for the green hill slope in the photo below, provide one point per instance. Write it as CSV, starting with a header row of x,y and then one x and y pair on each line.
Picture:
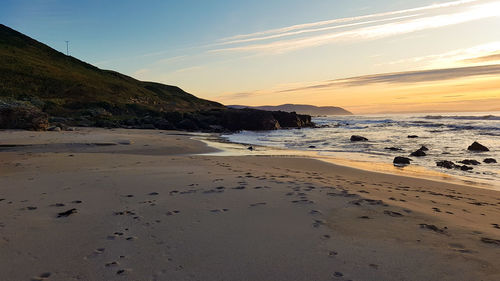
x,y
64,85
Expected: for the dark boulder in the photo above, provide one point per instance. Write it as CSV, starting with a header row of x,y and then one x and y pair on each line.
x,y
399,160
393,148
469,162
412,136
291,119
249,119
418,153
358,138
465,168
22,116
489,161
477,147
446,164
450,165
423,148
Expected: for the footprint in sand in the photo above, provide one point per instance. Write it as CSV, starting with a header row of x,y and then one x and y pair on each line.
x,y
318,223
338,274
258,204
57,205
112,264
97,252
66,213
219,210
170,213
393,214
490,241
332,254
41,277
433,228
315,212
122,271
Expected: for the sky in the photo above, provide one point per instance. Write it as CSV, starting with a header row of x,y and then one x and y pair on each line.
x,y
367,56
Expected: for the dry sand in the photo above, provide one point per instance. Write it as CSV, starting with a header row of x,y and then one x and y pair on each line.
x,y
141,205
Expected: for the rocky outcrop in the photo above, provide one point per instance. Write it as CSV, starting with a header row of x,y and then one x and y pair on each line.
x,y
209,121
291,119
450,165
477,147
469,162
392,148
17,115
358,138
401,161
489,161
255,120
418,153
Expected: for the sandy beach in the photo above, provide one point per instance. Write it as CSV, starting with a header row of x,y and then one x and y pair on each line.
x,y
98,204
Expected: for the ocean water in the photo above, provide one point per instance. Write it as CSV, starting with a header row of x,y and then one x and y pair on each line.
x,y
446,135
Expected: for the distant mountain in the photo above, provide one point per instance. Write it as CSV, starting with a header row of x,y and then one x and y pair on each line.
x,y
300,109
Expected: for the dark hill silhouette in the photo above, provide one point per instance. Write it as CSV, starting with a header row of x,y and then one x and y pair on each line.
x,y
301,109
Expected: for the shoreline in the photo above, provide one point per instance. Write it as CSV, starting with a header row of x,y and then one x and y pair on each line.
x,y
153,205
228,148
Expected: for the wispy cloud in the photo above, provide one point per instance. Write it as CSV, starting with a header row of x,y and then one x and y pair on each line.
x,y
397,78
484,54
263,34
407,77
488,58
366,27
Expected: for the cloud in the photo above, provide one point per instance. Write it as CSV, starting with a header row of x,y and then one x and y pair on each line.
x,y
484,53
327,32
408,77
488,58
266,33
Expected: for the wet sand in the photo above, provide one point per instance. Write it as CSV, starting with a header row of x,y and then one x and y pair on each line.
x,y
98,204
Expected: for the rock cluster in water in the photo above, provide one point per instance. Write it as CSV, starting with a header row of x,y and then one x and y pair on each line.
x,y
355,138
477,147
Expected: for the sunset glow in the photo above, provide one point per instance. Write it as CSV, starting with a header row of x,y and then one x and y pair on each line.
x,y
238,54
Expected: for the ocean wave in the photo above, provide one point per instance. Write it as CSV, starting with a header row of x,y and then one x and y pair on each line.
x,y
485,117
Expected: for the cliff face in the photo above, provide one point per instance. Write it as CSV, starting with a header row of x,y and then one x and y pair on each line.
x,y
251,119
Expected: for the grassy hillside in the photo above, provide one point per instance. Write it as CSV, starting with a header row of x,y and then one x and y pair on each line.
x,y
65,86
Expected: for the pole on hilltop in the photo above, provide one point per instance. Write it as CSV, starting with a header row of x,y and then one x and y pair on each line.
x,y
67,48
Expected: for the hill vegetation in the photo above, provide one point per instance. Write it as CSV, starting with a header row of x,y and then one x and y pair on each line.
x,y
33,71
